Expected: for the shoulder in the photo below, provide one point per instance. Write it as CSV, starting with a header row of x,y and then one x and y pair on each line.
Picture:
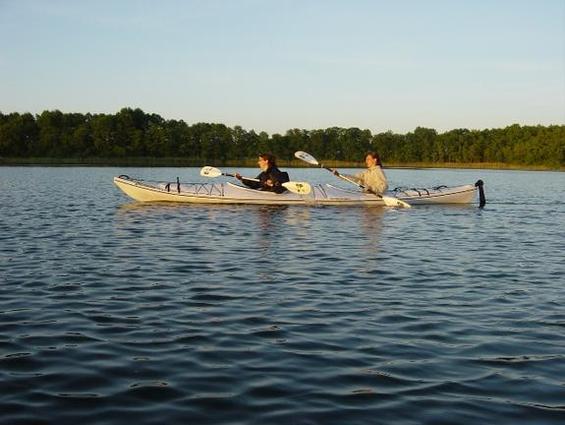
x,y
378,171
274,171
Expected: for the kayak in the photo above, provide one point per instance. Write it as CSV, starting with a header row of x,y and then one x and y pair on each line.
x,y
321,194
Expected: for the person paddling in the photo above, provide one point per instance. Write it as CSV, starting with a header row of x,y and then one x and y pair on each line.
x,y
373,178
270,178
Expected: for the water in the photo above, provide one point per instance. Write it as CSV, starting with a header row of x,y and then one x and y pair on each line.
x,y
113,312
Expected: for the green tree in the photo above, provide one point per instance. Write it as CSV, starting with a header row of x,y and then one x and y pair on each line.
x,y
19,135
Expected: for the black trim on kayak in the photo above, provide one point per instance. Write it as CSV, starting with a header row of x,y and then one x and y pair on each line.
x,y
482,199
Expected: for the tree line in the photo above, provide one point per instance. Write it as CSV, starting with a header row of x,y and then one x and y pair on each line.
x,y
134,133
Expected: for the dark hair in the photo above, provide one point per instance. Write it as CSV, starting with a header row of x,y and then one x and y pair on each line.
x,y
376,156
269,157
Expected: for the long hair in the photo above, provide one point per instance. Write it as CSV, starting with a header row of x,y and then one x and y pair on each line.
x,y
376,156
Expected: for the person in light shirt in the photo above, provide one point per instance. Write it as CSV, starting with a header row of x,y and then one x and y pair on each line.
x,y
373,178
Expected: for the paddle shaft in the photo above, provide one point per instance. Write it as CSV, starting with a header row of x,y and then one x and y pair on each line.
x,y
243,178
347,179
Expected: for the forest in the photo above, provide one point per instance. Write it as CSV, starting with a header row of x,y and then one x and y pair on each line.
x,y
134,133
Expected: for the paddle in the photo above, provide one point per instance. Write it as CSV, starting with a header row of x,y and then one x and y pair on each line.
x,y
389,201
300,188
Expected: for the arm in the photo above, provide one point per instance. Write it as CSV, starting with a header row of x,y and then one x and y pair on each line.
x,y
250,183
358,178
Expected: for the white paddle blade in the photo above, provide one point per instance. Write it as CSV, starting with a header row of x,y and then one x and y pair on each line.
x,y
300,188
210,172
395,202
306,157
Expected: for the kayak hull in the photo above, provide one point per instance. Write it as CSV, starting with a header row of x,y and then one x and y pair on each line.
x,y
228,193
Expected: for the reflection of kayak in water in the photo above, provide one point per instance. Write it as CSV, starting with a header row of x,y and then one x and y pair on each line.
x,y
321,194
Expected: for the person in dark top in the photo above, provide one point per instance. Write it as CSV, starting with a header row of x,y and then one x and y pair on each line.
x,y
270,178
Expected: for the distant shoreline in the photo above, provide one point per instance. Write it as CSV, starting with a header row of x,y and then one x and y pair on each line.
x,y
189,162
132,137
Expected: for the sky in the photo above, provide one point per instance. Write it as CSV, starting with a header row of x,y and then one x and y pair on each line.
x,y
283,64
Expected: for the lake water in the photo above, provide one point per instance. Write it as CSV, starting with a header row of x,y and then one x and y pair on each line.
x,y
115,312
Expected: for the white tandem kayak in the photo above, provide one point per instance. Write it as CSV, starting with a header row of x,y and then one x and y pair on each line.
x,y
321,194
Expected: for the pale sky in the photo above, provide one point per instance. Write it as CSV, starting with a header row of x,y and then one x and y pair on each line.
x,y
281,64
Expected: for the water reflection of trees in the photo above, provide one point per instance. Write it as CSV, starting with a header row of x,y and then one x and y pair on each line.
x,y
292,232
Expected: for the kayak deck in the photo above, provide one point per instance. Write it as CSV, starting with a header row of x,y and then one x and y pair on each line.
x,y
322,194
